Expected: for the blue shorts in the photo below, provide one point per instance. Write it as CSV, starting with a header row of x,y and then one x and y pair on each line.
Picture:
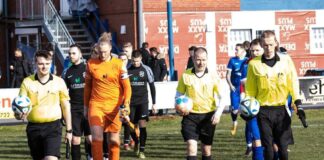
x,y
235,98
253,129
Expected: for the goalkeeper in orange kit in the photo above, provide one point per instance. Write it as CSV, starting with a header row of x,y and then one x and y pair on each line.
x,y
106,87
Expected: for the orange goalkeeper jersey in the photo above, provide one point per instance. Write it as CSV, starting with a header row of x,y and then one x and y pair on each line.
x,y
106,82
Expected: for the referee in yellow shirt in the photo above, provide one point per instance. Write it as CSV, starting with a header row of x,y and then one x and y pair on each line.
x,y
49,97
202,86
270,79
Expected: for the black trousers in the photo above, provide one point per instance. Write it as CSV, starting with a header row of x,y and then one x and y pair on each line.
x,y
275,127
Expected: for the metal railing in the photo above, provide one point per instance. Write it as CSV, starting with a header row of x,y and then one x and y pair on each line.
x,y
56,29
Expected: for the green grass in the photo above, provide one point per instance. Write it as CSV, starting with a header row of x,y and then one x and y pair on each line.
x,y
165,141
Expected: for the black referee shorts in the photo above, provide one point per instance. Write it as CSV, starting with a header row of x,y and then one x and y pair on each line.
x,y
275,127
198,127
44,139
80,124
139,112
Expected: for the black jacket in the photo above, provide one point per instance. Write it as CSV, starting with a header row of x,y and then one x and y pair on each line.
x,y
145,56
17,76
159,68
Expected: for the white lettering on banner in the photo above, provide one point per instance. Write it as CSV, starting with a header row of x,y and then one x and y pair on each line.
x,y
164,49
196,29
289,46
164,23
306,27
310,20
306,65
285,20
164,30
197,26
223,48
197,22
225,22
290,27
221,69
163,27
222,28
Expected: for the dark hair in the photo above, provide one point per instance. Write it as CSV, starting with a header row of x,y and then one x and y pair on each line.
x,y
192,48
256,41
49,47
153,49
43,53
76,45
246,44
145,44
127,44
282,49
136,54
240,45
199,50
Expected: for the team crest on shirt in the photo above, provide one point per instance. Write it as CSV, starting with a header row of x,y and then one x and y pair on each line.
x,y
141,73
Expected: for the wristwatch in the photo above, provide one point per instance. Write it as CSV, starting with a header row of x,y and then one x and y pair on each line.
x,y
69,131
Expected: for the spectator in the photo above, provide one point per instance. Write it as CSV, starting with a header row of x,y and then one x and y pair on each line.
x,y
158,65
20,68
246,45
145,53
128,49
50,49
190,63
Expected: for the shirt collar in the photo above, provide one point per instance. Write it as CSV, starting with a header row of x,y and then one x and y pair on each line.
x,y
276,57
194,71
50,78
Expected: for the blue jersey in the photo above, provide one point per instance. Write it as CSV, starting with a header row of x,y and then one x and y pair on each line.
x,y
236,64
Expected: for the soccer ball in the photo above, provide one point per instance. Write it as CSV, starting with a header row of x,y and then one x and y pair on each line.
x,y
183,104
21,105
249,107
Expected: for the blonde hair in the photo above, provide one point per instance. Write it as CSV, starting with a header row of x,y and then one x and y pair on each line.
x,y
105,38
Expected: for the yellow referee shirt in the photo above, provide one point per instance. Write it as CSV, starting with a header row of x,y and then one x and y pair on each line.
x,y
201,90
45,98
272,85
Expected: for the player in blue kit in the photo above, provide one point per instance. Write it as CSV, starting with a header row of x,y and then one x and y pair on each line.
x,y
233,78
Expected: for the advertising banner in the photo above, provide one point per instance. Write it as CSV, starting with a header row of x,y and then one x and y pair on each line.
x,y
6,98
189,29
294,30
312,91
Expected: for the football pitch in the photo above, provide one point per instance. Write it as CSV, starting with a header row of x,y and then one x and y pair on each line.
x,y
165,142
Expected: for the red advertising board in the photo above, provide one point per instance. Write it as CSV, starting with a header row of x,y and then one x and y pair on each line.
x,y
188,29
223,22
294,30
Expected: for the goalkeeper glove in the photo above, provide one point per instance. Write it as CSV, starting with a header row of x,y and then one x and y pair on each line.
x,y
301,113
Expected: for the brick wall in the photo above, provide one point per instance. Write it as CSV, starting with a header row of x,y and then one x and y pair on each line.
x,y
192,5
124,12
120,12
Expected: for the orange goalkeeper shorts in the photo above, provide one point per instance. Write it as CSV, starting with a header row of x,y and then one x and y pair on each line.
x,y
108,119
